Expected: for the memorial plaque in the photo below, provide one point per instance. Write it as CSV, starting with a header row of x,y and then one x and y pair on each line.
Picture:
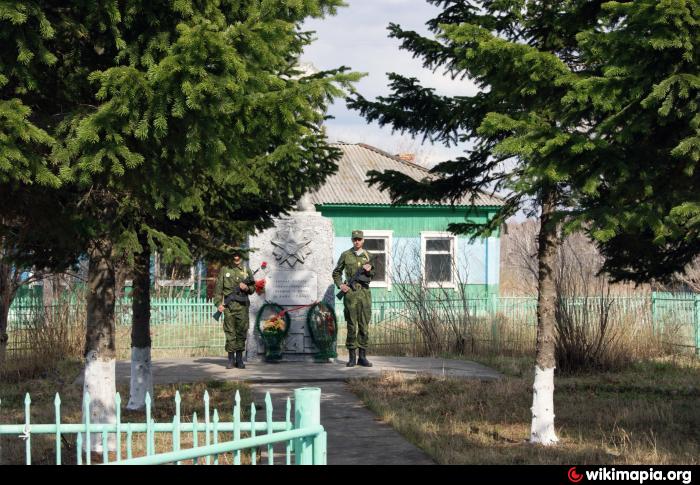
x,y
292,287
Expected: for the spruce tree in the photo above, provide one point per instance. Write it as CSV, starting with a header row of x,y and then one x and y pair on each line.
x,y
159,111
519,136
642,110
26,174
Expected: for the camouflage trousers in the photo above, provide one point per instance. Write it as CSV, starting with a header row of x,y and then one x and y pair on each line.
x,y
358,313
235,326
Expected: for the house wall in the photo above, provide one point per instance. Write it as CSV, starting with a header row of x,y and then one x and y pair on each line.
x,y
477,261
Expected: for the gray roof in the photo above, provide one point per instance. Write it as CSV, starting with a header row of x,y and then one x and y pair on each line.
x,y
348,185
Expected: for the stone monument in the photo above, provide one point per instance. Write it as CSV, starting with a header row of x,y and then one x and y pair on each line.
x,y
299,255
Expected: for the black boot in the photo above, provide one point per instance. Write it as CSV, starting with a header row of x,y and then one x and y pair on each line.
x,y
229,364
239,360
363,359
352,360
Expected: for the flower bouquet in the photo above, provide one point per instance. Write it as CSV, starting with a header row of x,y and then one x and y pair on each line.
x,y
272,324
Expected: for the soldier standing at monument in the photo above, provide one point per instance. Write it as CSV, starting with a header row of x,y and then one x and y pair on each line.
x,y
358,265
233,285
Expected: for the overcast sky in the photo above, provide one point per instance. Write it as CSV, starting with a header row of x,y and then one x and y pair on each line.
x,y
357,37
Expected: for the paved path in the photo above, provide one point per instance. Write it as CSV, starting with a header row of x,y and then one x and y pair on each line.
x,y
193,369
355,434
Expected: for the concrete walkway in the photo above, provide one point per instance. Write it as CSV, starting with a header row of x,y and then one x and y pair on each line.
x,y
355,434
194,369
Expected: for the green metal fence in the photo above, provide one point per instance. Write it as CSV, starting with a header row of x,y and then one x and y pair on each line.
x,y
303,438
672,317
178,325
185,325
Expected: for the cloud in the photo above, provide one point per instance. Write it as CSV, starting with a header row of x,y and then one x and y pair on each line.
x,y
357,37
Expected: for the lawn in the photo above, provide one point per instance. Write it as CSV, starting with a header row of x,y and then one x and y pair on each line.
x,y
647,414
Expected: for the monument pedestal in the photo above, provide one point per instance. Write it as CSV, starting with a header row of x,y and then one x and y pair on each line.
x,y
299,255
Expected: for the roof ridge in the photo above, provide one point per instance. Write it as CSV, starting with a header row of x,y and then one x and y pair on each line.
x,y
482,196
386,154
393,157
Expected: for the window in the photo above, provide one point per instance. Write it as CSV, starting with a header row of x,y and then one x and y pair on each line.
x,y
438,259
379,244
173,274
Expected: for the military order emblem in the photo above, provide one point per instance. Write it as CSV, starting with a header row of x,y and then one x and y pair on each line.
x,y
291,247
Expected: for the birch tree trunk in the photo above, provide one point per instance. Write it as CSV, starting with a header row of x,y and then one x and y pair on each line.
x,y
141,372
543,431
99,340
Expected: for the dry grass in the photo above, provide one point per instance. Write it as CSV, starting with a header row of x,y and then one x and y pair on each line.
x,y
646,414
626,340
44,341
61,379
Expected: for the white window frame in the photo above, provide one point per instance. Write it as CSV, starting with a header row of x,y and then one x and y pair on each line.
x,y
182,283
424,236
388,237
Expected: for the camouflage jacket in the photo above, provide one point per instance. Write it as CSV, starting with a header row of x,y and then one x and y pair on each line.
x,y
228,281
349,262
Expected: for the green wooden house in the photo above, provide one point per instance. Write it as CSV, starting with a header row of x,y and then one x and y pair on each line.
x,y
411,242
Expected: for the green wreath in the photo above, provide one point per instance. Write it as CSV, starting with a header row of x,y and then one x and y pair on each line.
x,y
272,316
323,327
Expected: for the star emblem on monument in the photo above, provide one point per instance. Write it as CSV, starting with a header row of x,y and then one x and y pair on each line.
x,y
290,247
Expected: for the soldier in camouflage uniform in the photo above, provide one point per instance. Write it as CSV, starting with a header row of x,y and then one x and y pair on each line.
x,y
358,299
232,279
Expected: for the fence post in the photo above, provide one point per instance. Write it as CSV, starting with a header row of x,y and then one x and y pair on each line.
x,y
491,311
653,313
27,430
320,441
307,412
696,322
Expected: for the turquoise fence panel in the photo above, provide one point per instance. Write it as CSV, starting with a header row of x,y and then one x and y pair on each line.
x,y
315,434
304,437
185,325
674,318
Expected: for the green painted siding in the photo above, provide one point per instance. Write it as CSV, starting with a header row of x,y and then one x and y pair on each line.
x,y
404,221
478,261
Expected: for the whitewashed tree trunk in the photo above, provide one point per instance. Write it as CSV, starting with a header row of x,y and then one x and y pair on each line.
x,y
99,341
542,431
141,372
141,377
100,383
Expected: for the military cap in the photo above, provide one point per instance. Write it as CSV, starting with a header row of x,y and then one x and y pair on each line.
x,y
358,234
242,252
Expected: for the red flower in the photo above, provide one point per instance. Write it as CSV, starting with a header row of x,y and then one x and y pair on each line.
x,y
264,265
329,324
260,287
